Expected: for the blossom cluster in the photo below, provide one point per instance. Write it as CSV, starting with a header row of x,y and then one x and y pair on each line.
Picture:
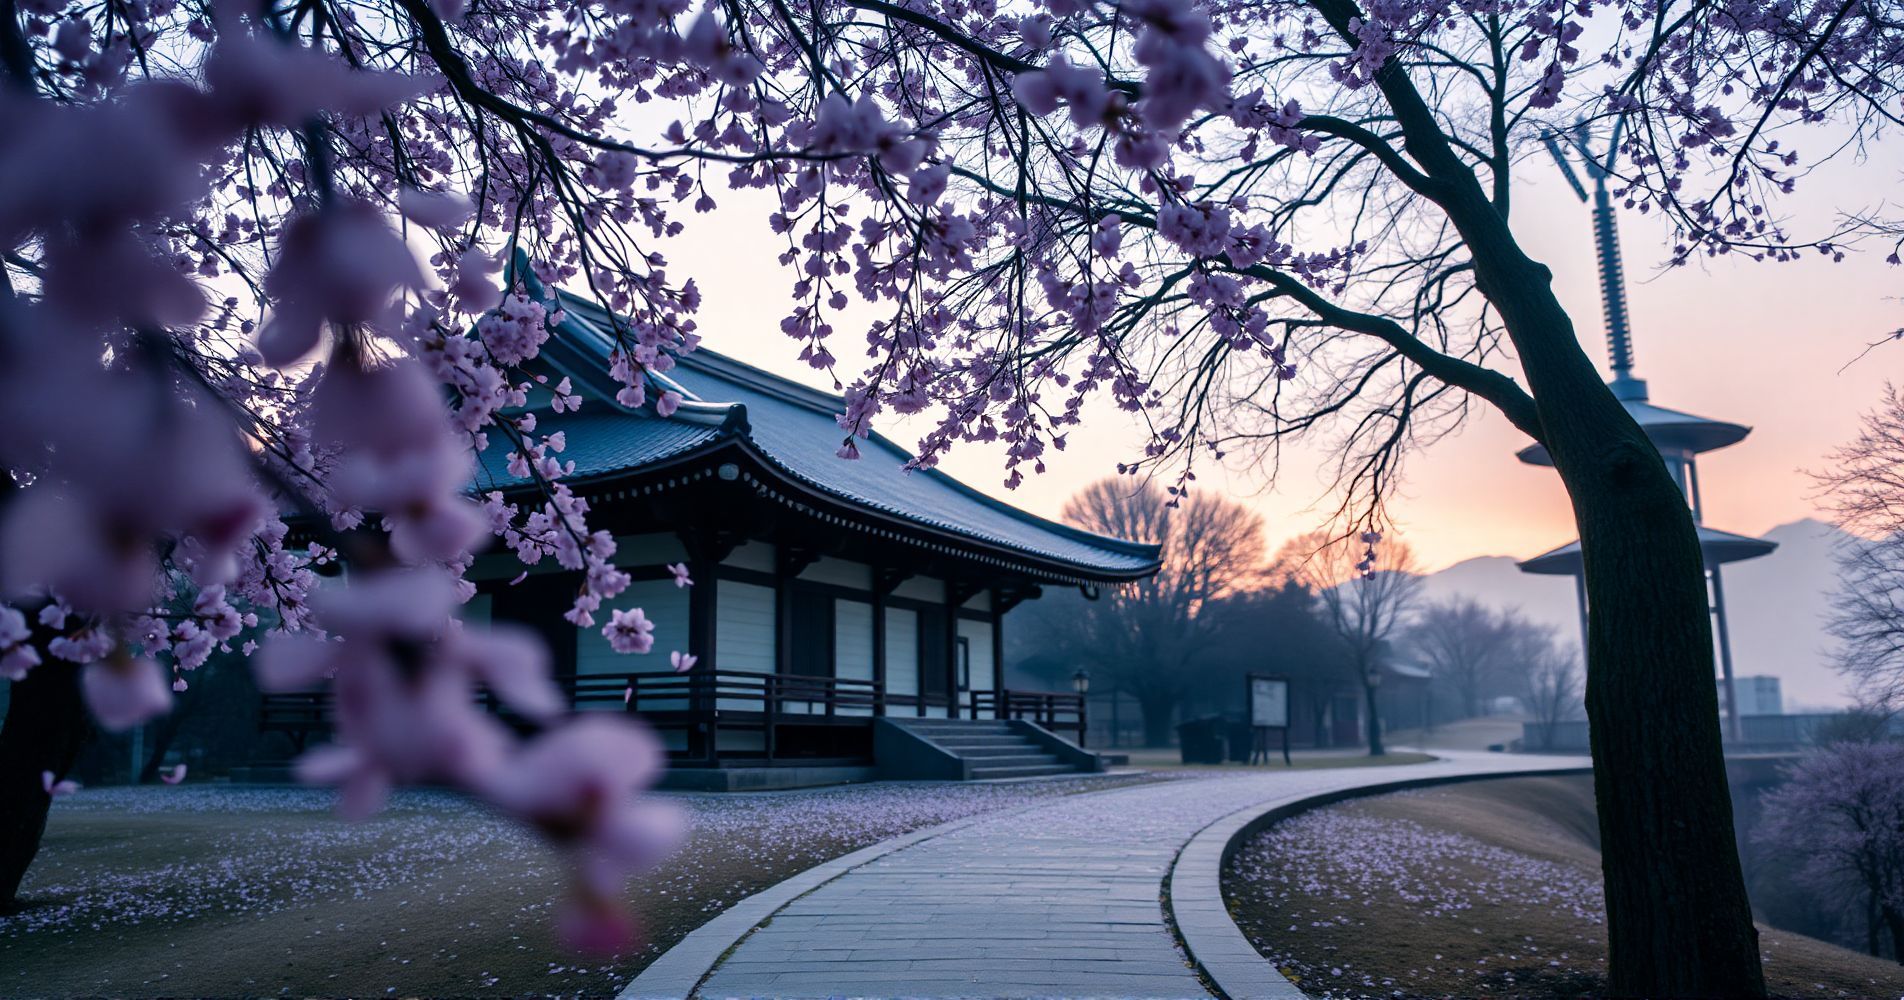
x,y
1155,205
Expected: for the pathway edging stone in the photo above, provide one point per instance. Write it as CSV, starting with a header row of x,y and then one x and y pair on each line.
x,y
1210,935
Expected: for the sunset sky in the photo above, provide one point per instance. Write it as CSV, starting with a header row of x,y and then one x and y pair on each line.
x,y
1771,346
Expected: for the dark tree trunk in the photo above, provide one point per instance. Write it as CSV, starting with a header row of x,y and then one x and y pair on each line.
x,y
1159,711
1871,923
163,732
45,725
1894,922
1678,920
1375,747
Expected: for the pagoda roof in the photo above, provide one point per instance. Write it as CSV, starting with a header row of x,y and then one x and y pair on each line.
x,y
791,433
1669,430
1719,546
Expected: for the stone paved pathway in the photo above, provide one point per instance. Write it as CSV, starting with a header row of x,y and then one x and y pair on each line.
x,y
1059,900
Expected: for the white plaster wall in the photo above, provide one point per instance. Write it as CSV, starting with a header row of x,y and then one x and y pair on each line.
x,y
743,634
667,606
979,636
902,651
853,645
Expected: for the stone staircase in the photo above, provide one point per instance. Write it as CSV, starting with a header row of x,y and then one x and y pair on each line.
x,y
990,748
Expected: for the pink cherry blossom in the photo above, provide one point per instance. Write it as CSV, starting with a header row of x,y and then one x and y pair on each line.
x,y
342,265
268,279
629,631
126,692
396,456
17,655
443,210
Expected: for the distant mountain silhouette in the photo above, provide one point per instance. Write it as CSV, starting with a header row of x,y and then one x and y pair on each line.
x,y
1776,606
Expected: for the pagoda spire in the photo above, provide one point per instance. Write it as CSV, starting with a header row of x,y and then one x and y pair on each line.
x,y
1606,247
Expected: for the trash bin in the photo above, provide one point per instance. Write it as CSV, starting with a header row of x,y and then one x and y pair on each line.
x,y
1242,740
1201,740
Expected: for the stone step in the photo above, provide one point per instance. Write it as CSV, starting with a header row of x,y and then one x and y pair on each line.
x,y
1028,771
956,725
1017,760
977,740
1005,750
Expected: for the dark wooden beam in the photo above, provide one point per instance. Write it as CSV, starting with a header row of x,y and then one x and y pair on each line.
x,y
955,595
791,559
998,650
887,579
1007,597
880,590
703,616
957,592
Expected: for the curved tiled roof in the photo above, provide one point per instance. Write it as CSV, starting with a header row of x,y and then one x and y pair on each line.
x,y
602,442
791,428
1670,430
1719,547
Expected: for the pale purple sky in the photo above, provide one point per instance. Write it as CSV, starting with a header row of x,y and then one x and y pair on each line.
x,y
1757,344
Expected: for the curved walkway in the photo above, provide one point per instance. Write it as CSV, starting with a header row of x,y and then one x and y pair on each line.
x,y
1059,899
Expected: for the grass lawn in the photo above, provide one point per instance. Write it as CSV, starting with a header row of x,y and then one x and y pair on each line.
x,y
1484,889
207,890
1169,759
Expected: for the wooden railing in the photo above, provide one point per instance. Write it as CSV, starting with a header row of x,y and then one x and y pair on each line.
x,y
1055,710
702,703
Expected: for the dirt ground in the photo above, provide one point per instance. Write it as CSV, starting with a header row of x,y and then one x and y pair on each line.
x,y
1465,734
1488,889
226,891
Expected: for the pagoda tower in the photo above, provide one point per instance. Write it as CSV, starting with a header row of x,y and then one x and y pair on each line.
x,y
1680,437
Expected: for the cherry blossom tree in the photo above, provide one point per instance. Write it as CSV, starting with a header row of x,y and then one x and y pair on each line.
x,y
1839,819
259,270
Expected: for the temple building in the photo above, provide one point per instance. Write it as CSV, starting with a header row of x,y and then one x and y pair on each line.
x,y
847,616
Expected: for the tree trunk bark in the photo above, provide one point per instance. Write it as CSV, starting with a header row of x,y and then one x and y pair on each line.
x,y
1158,712
1678,920
162,734
1894,922
45,726
1871,923
1375,747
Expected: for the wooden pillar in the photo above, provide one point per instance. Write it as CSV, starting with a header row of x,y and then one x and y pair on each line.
x,y
998,655
953,598
784,572
879,642
703,613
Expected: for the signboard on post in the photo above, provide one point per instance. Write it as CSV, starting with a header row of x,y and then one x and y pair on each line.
x,y
1268,709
